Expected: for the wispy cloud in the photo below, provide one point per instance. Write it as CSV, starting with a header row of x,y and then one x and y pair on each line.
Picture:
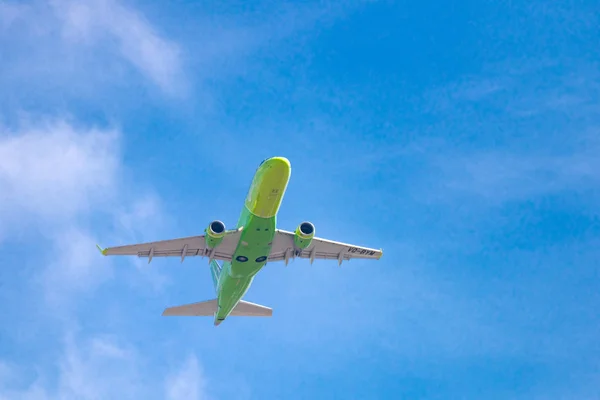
x,y
138,42
187,382
499,176
59,178
100,367
56,177
8,13
53,170
71,45
75,268
512,135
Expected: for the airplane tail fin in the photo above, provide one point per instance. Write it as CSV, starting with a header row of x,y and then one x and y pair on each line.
x,y
215,272
209,308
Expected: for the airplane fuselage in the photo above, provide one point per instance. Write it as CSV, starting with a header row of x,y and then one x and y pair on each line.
x,y
258,222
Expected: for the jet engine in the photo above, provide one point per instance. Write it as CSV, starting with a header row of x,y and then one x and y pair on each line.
x,y
303,235
214,234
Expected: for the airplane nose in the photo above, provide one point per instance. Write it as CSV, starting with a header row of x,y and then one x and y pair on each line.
x,y
277,170
281,164
268,187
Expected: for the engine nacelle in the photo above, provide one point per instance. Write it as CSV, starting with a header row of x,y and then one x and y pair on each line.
x,y
304,235
214,234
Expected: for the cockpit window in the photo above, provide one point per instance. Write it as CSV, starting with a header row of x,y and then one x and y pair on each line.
x,y
262,162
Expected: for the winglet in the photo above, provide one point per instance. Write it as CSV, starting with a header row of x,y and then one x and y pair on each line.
x,y
102,251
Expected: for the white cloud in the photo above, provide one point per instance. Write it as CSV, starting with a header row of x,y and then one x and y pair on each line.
x,y
6,372
188,383
52,170
128,217
500,176
8,13
83,47
75,268
138,42
64,49
55,178
81,362
520,131
101,367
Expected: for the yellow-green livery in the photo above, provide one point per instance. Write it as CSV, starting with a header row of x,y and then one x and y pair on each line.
x,y
246,249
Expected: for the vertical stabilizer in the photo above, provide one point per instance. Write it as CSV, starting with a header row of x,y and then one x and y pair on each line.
x,y
215,272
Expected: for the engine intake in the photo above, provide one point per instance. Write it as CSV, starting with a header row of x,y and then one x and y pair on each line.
x,y
215,234
304,235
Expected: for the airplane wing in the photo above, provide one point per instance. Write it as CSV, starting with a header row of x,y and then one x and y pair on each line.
x,y
323,249
182,247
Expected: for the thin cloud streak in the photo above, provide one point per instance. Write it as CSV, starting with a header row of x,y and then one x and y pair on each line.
x,y
124,374
514,137
186,383
51,170
56,171
139,43
71,48
56,177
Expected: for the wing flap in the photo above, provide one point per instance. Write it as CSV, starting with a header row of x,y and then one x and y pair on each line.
x,y
182,247
319,249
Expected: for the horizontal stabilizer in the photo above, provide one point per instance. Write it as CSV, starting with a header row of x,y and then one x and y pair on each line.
x,y
202,308
247,309
209,307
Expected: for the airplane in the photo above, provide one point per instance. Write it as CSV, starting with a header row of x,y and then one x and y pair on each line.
x,y
245,250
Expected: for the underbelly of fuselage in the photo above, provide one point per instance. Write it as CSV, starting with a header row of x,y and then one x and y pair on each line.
x,y
258,221
249,258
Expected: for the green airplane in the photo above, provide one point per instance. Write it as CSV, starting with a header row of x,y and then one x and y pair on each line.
x,y
245,250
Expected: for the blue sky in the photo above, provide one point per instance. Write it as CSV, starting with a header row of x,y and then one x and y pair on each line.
x,y
461,139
